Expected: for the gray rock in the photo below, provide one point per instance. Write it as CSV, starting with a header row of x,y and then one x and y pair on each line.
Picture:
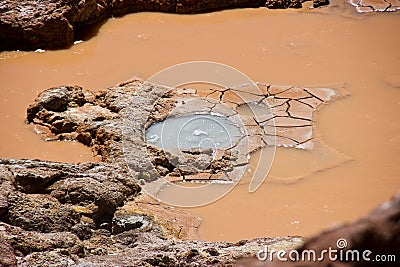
x,y
126,223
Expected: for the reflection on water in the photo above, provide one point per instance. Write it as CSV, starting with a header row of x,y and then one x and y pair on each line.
x,y
283,47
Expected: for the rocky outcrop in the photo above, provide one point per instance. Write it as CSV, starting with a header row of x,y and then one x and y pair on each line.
x,y
71,194
378,232
7,258
34,24
56,214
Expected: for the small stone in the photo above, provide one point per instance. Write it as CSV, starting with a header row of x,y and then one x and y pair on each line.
x,y
122,224
83,231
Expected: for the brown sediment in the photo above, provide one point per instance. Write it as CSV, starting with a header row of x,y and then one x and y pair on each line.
x,y
351,127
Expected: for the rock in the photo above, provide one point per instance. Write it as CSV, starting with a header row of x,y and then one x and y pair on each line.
x,y
58,99
89,214
6,187
7,257
148,211
82,230
27,242
46,194
85,138
32,24
147,248
41,213
190,6
122,224
48,258
378,232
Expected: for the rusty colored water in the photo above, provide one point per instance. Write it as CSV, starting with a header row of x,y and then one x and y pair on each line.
x,y
354,168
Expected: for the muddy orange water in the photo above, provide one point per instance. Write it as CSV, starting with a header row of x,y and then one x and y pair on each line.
x,y
358,166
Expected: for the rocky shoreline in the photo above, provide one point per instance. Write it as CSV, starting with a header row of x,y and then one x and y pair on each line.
x,y
57,214
94,214
33,24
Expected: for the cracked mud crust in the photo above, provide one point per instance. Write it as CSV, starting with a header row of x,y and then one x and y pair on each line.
x,y
266,115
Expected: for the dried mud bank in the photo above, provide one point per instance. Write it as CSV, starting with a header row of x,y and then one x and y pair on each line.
x,y
33,24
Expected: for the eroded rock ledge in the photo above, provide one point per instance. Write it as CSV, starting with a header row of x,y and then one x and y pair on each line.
x,y
58,214
33,24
